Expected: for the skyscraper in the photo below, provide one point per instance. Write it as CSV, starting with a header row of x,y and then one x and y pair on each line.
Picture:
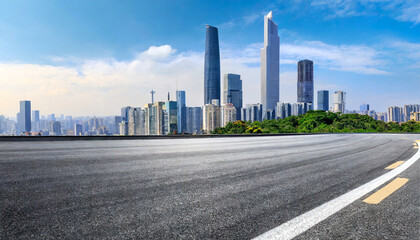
x,y
323,100
270,81
232,91
133,121
395,114
284,110
154,118
171,117
211,66
35,121
25,116
194,120
181,112
339,101
305,84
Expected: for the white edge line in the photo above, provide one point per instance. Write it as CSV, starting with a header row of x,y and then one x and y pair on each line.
x,y
300,224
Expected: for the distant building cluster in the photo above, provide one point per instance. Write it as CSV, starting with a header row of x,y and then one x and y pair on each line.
x,y
220,106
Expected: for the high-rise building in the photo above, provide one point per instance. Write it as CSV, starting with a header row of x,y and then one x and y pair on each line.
x,y
408,109
78,130
339,101
54,128
124,113
133,122
154,118
211,66
35,121
171,117
254,112
228,114
194,120
395,114
415,116
323,100
117,121
232,91
382,116
211,116
305,83
25,116
270,55
364,108
284,110
300,108
181,112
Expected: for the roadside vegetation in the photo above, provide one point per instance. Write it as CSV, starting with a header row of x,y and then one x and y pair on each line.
x,y
318,122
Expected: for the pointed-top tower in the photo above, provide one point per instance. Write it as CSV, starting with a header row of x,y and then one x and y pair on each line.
x,y
270,56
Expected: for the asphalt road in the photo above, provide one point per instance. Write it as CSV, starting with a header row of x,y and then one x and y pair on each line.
x,y
219,188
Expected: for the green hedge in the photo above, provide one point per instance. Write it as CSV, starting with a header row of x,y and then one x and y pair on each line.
x,y
318,122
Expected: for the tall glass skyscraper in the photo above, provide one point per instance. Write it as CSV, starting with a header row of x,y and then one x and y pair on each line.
x,y
25,116
270,80
305,84
181,112
323,100
211,66
232,91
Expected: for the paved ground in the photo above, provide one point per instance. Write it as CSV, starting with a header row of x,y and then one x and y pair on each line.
x,y
226,188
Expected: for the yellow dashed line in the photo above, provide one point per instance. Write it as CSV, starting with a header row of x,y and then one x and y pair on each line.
x,y
395,165
384,192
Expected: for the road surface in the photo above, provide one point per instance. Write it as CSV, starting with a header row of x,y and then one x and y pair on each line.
x,y
216,188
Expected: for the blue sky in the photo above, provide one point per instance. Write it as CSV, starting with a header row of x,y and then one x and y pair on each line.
x,y
92,57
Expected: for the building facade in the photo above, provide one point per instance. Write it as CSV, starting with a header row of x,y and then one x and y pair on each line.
x,y
171,117
300,108
305,83
270,55
415,116
54,128
253,112
25,116
232,91
78,130
211,116
228,114
181,112
194,120
339,101
323,100
154,118
283,110
133,123
395,114
211,66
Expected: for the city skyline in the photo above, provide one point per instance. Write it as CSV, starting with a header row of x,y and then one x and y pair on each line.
x,y
99,83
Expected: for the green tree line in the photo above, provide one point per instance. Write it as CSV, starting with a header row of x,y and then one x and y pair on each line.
x,y
318,122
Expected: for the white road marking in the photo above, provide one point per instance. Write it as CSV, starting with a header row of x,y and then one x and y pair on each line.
x,y
300,224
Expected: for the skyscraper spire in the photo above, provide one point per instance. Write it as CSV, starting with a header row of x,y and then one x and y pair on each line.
x,y
169,98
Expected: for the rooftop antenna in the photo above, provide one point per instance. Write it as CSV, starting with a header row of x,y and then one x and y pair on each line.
x,y
152,93
169,98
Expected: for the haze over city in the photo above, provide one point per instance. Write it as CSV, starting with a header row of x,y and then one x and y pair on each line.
x,y
92,58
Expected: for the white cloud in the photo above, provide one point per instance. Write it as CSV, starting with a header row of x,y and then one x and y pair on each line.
x,y
351,58
401,10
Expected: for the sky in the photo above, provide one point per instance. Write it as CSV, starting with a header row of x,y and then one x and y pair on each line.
x,y
90,58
